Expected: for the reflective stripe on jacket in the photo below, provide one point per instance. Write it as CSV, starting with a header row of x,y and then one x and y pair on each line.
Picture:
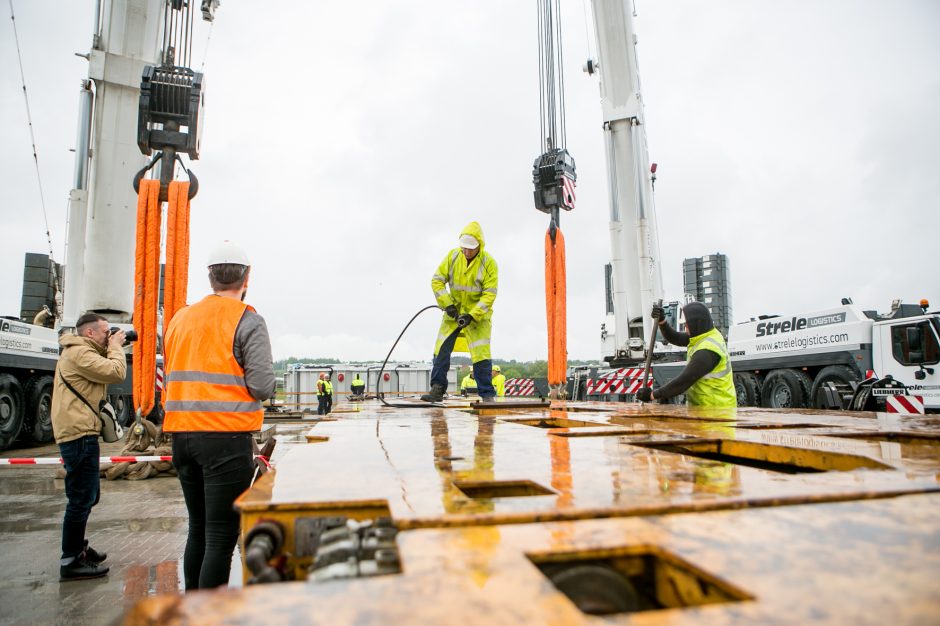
x,y
205,385
471,287
717,387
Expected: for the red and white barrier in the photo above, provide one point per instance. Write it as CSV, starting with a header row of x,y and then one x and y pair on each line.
x,y
905,405
105,459
623,380
520,387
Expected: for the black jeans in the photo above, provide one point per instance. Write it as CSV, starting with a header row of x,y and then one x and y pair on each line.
x,y
321,405
82,488
482,370
214,469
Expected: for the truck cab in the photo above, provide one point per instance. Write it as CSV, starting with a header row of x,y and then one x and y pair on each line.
x,y
908,350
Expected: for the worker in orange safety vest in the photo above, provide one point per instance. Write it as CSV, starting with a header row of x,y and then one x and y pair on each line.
x,y
218,372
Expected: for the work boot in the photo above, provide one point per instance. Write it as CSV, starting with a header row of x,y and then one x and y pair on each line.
x,y
93,555
435,395
80,568
488,400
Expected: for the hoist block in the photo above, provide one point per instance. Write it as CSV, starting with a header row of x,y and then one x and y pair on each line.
x,y
170,99
554,177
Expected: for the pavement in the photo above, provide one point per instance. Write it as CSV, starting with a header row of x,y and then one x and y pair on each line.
x,y
141,525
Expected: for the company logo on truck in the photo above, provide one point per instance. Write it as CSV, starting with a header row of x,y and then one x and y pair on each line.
x,y
765,329
7,327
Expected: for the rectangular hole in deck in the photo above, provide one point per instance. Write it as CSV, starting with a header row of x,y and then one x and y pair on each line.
x,y
630,580
781,426
767,457
892,437
556,422
502,488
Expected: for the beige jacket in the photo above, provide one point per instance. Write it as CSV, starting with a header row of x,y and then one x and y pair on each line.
x,y
89,368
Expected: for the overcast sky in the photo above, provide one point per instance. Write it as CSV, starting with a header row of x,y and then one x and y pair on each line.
x,y
347,144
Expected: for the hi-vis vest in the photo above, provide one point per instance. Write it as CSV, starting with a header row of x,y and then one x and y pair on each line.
x,y
717,387
205,385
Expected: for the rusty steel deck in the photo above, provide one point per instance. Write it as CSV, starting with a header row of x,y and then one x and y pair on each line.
x,y
722,516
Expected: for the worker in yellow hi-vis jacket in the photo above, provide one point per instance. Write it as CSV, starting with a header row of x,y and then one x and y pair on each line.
x,y
464,285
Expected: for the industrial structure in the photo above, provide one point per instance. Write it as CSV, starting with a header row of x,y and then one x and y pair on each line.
x,y
707,279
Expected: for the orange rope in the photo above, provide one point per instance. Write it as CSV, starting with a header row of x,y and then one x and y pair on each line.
x,y
146,293
176,275
556,308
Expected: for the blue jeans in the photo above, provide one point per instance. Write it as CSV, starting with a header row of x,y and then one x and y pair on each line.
x,y
214,468
482,370
82,488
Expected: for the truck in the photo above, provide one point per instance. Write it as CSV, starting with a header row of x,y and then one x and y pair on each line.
x,y
842,357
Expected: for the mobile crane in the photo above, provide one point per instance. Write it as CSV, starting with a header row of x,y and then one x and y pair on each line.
x,y
133,73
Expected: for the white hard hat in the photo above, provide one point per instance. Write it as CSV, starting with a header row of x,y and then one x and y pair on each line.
x,y
228,252
469,241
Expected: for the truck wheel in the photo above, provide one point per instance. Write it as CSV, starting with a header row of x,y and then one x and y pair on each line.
x,y
840,375
782,389
747,388
122,409
11,410
38,421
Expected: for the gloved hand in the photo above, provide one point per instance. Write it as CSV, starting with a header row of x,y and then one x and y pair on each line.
x,y
644,394
464,320
658,312
451,310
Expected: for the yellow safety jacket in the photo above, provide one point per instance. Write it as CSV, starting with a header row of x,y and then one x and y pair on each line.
x,y
717,387
499,382
327,387
205,385
468,383
471,287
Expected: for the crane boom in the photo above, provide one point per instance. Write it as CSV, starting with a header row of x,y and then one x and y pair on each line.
x,y
635,277
99,273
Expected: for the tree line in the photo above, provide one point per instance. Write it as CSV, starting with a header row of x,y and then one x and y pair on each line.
x,y
510,368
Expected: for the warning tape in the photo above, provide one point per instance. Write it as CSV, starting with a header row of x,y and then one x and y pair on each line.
x,y
105,459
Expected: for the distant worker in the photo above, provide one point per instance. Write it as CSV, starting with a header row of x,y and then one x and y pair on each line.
x,y
321,394
706,379
499,382
218,372
468,385
464,285
357,386
91,358
328,394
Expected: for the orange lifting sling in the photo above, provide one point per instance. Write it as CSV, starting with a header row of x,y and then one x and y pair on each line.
x,y
555,308
147,279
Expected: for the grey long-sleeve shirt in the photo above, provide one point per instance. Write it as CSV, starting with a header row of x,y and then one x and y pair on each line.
x,y
252,350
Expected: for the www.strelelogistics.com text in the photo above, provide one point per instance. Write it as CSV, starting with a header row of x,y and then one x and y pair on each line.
x,y
796,343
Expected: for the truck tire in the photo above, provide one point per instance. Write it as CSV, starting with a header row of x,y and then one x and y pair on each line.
x,y
37,425
783,389
11,410
122,408
747,389
841,375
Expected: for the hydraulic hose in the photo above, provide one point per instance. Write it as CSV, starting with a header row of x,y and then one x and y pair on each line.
x,y
378,381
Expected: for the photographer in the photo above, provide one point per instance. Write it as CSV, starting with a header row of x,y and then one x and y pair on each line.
x,y
91,358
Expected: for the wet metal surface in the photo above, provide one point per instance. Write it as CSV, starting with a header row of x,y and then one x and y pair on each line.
x,y
141,525
480,498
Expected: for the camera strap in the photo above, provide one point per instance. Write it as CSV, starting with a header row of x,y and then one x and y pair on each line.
x,y
80,396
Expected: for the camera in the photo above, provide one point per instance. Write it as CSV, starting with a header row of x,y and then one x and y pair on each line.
x,y
129,335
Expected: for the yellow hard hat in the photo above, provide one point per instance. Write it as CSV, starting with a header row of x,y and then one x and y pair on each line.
x,y
496,368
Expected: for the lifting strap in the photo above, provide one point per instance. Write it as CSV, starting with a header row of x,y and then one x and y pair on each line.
x,y
556,310
176,274
146,293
